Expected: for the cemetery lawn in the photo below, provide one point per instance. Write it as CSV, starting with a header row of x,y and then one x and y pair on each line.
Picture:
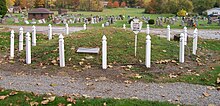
x,y
201,69
9,97
118,11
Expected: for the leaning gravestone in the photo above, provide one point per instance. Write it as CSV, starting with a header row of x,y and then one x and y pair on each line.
x,y
40,22
26,22
88,50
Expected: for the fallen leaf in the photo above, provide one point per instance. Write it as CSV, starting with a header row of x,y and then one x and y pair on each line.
x,y
13,93
53,85
3,97
44,102
206,94
104,104
34,103
134,97
52,98
89,57
129,66
60,104
218,80
211,105
69,105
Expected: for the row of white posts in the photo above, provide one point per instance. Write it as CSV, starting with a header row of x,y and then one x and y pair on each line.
x,y
183,42
28,44
104,45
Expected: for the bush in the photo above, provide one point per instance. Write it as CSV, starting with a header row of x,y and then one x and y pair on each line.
x,y
151,21
110,4
182,13
123,4
116,4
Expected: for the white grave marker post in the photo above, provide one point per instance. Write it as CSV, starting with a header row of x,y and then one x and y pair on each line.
x,y
104,52
182,48
148,29
28,48
50,32
197,38
21,39
103,25
61,51
67,29
33,35
148,51
168,32
124,26
195,41
12,44
185,35
84,26
136,26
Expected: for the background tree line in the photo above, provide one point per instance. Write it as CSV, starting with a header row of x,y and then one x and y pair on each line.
x,y
173,6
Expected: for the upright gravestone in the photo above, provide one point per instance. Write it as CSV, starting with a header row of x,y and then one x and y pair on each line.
x,y
124,26
136,26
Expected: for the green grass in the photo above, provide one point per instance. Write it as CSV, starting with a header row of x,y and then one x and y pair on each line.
x,y
24,99
121,11
120,47
205,78
120,52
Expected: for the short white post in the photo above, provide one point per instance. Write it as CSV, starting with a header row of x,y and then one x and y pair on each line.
x,y
21,39
182,48
61,51
148,51
67,29
185,35
124,26
33,35
135,45
28,48
197,37
168,32
50,35
148,29
103,25
104,52
12,44
84,26
195,41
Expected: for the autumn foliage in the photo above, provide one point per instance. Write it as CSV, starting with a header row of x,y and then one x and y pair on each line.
x,y
110,4
123,4
116,4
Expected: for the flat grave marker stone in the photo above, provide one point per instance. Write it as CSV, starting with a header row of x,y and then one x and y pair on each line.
x,y
88,50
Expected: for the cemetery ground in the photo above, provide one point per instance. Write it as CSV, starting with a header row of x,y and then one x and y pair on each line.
x,y
115,12
125,70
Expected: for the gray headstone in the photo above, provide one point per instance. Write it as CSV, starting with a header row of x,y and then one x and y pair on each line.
x,y
88,50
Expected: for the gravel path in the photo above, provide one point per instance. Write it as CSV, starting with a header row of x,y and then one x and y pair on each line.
x,y
203,33
183,93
